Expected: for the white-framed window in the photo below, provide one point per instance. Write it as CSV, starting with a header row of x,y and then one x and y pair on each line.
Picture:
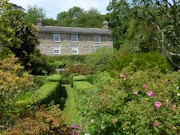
x,y
97,38
56,37
56,50
74,38
74,49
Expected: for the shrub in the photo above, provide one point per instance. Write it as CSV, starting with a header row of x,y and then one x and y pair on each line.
x,y
44,121
100,59
79,78
71,78
134,103
44,95
41,79
54,78
81,69
141,61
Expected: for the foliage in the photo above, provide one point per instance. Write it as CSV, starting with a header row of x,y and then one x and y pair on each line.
x,y
119,18
20,37
54,78
34,12
141,61
141,37
13,81
142,102
45,94
100,59
44,121
81,69
78,17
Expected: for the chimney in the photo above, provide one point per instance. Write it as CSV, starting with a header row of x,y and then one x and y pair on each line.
x,y
105,24
39,22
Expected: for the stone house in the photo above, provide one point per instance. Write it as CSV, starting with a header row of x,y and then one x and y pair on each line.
x,y
72,40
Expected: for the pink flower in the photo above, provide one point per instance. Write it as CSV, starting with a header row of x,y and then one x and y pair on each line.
x,y
174,106
136,92
121,75
155,124
124,79
113,121
144,86
150,93
158,104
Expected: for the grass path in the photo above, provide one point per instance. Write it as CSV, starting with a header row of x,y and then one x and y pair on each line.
x,y
70,109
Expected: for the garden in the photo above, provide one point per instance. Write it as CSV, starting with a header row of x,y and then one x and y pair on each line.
x,y
105,93
130,89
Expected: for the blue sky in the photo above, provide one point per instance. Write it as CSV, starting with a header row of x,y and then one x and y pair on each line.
x,y
53,7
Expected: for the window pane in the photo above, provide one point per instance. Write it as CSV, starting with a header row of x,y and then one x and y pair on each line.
x,y
74,38
74,50
56,50
97,39
56,37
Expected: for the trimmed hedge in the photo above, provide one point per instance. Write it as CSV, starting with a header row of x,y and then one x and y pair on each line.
x,y
41,79
43,95
71,78
54,78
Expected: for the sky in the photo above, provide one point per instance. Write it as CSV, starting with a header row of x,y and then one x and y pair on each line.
x,y
53,7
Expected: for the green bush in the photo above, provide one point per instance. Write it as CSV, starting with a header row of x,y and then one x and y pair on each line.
x,y
141,61
71,78
100,60
134,103
54,78
91,78
44,95
41,79
79,78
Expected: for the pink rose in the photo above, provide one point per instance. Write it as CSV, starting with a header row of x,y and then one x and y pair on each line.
x,y
150,93
144,86
121,75
136,92
158,104
113,121
155,124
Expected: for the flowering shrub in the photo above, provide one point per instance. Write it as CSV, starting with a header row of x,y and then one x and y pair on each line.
x,y
13,81
45,121
138,103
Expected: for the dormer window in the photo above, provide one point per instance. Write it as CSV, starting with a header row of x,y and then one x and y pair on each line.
x,y
56,38
97,39
74,38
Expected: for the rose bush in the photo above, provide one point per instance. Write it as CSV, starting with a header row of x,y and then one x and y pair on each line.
x,y
134,103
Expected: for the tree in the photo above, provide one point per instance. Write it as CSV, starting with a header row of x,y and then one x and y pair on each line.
x,y
34,12
69,16
120,17
89,19
165,16
20,37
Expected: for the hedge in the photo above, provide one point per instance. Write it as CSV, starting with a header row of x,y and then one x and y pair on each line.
x,y
44,95
54,78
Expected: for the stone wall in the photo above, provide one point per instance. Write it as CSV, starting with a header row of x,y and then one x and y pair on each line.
x,y
86,44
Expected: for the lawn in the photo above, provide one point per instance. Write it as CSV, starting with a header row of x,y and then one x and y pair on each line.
x,y
69,109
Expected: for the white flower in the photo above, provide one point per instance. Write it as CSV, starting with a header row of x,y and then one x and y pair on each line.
x,y
92,120
178,94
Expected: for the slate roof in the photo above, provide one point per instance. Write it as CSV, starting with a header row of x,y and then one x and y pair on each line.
x,y
75,30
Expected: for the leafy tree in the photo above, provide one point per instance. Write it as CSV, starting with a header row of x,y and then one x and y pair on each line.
x,y
165,16
91,18
120,17
34,12
20,37
69,16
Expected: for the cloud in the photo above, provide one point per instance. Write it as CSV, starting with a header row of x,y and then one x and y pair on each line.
x,y
53,7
